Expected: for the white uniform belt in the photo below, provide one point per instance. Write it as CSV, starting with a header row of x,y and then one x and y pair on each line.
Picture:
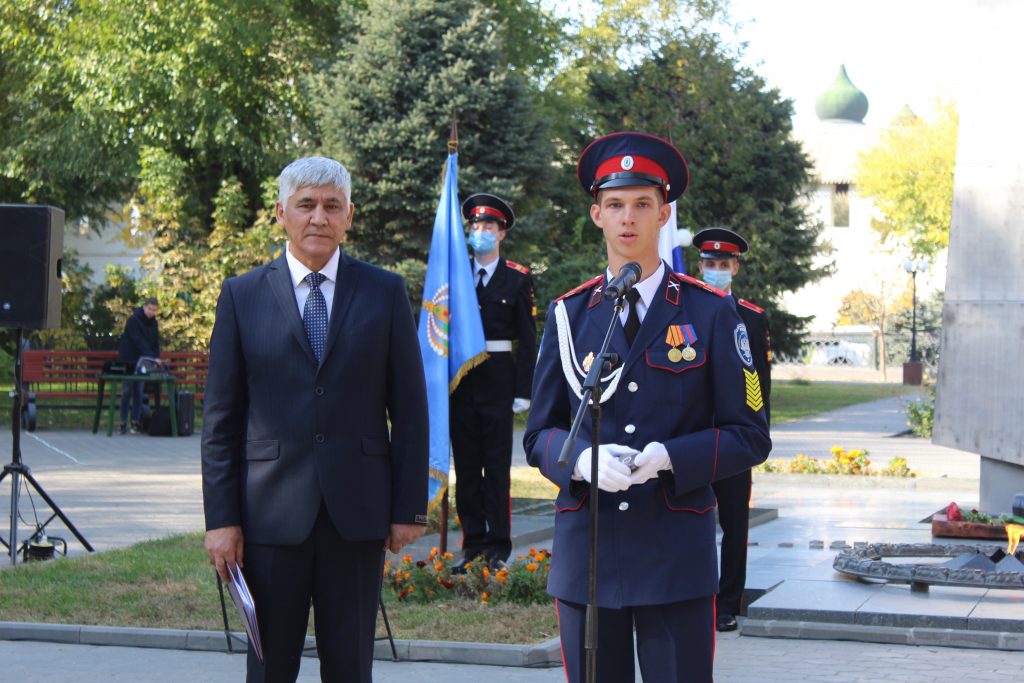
x,y
496,345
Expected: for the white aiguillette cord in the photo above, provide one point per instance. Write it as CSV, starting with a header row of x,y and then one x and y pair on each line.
x,y
568,354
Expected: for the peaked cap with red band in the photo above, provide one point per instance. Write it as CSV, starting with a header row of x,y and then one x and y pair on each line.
x,y
487,207
719,243
632,159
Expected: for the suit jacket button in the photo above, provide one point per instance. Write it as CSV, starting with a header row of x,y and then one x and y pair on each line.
x,y
319,391
320,438
630,429
633,386
623,506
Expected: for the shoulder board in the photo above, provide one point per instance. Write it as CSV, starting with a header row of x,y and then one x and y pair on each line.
x,y
586,285
700,283
747,304
515,266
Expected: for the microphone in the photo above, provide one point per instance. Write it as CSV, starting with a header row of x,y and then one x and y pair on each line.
x,y
628,276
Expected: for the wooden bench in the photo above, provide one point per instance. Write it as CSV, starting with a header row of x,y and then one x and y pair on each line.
x,y
74,375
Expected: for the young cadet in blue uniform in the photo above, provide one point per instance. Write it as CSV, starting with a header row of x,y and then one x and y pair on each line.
x,y
483,404
720,251
683,400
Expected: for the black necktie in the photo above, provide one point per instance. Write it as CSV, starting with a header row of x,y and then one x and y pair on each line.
x,y
632,316
314,315
480,282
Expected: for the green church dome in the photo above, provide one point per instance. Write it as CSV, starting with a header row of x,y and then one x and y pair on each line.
x,y
842,100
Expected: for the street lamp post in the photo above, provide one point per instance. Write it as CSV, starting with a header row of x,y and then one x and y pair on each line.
x,y
912,370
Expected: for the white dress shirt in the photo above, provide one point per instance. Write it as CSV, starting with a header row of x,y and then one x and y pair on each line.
x,y
647,287
299,272
489,271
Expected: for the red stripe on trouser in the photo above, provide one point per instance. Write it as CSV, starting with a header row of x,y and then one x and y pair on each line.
x,y
561,648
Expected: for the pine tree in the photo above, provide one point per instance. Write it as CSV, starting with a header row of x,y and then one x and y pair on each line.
x,y
384,110
746,171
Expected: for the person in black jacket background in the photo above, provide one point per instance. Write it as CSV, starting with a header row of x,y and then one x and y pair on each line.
x,y
720,251
482,406
141,338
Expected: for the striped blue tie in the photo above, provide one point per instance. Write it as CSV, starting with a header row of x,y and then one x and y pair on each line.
x,y
314,315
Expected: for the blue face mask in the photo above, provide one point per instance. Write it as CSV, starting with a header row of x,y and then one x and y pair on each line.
x,y
483,242
718,278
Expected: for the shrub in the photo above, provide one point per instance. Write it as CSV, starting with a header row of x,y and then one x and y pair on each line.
x,y
921,414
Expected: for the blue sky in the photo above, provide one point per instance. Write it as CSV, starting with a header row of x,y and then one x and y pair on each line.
x,y
896,51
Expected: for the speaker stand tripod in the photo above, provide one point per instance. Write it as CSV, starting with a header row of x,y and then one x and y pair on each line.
x,y
18,470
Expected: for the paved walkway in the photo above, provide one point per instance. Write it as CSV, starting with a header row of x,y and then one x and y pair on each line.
x,y
738,660
127,488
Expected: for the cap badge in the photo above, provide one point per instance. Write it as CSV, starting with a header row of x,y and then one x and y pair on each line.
x,y
627,162
718,245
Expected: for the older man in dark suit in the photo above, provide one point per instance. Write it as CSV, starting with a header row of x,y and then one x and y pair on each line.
x,y
314,433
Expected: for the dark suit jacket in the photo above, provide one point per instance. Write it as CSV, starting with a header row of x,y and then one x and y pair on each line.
x,y
281,432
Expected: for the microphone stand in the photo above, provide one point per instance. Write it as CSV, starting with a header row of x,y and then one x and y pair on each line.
x,y
603,362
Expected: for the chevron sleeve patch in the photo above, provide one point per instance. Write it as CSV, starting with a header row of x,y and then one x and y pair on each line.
x,y
754,399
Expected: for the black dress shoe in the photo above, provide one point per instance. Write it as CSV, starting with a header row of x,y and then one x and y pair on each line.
x,y
460,566
726,622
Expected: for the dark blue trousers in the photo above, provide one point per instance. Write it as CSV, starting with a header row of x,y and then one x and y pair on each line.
x,y
341,579
675,643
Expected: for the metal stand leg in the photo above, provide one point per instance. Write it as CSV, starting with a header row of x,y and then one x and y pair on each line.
x,y
387,627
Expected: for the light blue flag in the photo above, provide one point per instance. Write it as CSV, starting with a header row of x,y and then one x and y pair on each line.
x,y
451,333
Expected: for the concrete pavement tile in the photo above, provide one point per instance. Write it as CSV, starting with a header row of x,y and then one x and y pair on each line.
x,y
941,607
998,610
812,601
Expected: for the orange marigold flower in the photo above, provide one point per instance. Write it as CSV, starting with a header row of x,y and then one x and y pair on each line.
x,y
487,573
448,556
531,567
485,596
406,558
434,551
438,566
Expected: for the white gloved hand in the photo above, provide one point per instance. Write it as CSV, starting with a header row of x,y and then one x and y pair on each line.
x,y
612,473
652,460
520,404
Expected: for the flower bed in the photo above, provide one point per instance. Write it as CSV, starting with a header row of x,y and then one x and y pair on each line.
x,y
523,581
842,461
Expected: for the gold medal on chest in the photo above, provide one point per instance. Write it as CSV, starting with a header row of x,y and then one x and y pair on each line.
x,y
687,354
588,361
675,355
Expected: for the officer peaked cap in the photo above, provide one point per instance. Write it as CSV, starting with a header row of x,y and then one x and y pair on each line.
x,y
630,160
487,207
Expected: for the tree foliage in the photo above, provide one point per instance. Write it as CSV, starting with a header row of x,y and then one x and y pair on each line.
x,y
909,175
747,173
172,118
385,110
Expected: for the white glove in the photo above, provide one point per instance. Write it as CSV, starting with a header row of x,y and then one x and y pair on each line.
x,y
652,460
612,473
520,404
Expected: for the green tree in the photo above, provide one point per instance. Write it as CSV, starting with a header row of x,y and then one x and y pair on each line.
x,y
909,175
747,173
384,110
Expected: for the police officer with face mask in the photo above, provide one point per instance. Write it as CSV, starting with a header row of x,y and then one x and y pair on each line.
x,y
483,405
719,262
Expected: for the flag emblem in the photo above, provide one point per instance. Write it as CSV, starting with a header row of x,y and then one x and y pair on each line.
x,y
437,321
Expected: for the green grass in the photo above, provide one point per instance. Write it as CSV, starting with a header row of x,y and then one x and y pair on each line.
x,y
792,400
169,583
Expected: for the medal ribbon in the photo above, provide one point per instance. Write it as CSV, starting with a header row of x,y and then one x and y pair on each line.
x,y
690,334
674,336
